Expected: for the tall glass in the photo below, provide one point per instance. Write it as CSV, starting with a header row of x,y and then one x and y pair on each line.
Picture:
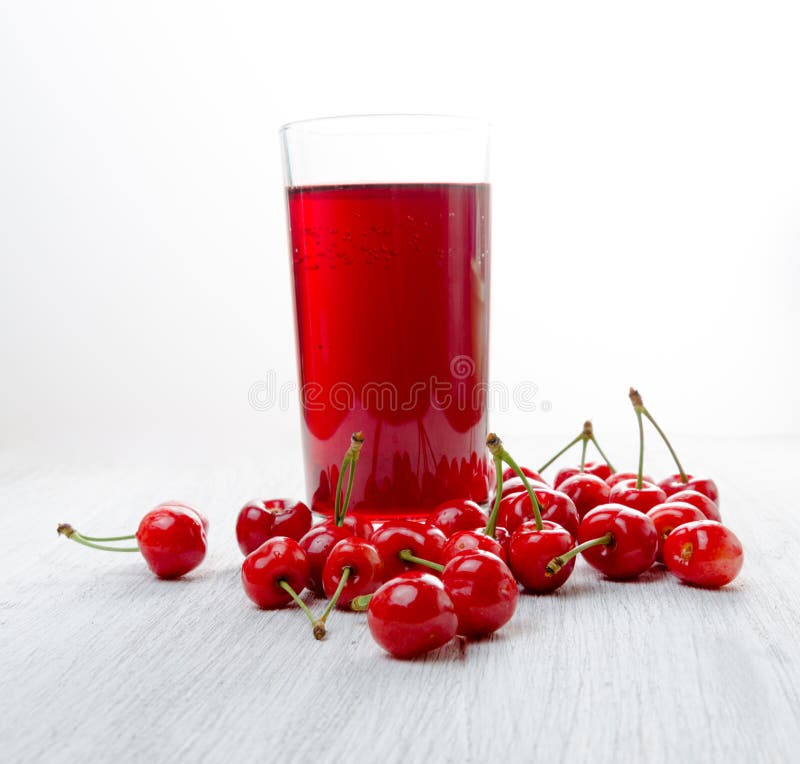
x,y
389,228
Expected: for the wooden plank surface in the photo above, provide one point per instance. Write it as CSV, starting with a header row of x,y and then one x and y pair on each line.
x,y
100,661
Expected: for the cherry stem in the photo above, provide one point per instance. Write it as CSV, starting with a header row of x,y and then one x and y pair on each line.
x,y
108,538
360,603
495,446
491,523
320,624
586,436
349,467
287,587
600,451
563,451
65,529
641,450
408,556
559,562
639,408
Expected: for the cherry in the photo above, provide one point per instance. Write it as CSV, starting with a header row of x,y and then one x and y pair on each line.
x,y
456,515
405,545
511,473
261,519
675,483
642,496
467,541
668,516
353,569
586,491
357,562
618,477
170,537
585,437
619,541
704,554
701,501
680,481
274,573
412,614
483,591
172,540
554,505
532,549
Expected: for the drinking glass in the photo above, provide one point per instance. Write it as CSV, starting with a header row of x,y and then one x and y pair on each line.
x,y
389,219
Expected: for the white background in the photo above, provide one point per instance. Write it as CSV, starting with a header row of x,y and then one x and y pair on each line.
x,y
646,191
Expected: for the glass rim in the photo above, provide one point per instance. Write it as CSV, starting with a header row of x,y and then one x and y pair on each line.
x,y
343,124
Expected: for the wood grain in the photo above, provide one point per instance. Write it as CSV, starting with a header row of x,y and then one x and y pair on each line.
x,y
102,662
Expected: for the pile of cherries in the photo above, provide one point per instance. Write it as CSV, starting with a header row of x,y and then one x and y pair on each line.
x,y
459,572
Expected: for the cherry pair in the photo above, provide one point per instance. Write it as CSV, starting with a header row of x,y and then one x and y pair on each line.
x,y
171,538
417,612
278,571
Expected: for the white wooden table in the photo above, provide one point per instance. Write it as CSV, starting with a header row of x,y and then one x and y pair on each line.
x,y
102,662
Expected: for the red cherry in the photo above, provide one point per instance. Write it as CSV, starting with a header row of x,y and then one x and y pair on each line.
x,y
171,540
586,491
701,501
366,570
632,541
531,550
468,541
456,515
704,554
645,498
673,483
394,537
261,519
412,614
279,559
483,591
668,516
618,477
510,474
598,469
555,506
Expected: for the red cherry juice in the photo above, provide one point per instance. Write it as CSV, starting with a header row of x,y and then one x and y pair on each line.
x,y
392,298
